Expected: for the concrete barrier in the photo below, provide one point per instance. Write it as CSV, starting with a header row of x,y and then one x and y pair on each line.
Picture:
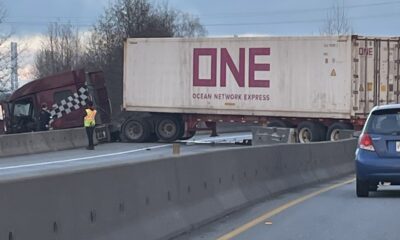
x,y
36,142
161,198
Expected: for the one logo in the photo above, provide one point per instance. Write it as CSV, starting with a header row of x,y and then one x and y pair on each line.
x,y
226,62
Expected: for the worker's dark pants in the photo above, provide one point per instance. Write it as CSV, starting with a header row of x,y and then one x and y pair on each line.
x,y
89,132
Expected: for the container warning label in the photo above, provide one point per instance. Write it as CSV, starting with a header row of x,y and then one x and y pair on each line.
x,y
333,73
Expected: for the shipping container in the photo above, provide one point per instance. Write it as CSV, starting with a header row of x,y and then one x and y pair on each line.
x,y
317,84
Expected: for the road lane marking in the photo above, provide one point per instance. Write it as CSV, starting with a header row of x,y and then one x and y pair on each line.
x,y
278,210
80,159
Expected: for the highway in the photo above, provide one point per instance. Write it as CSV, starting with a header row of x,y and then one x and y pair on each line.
x,y
109,154
325,211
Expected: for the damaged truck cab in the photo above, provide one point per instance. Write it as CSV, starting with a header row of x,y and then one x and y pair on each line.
x,y
65,94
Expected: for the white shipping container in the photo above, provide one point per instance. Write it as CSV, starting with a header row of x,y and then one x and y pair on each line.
x,y
309,77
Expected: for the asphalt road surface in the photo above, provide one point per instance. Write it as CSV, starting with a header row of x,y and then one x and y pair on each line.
x,y
327,211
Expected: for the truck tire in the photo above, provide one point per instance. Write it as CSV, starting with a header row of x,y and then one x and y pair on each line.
x,y
279,123
168,128
135,130
333,130
310,131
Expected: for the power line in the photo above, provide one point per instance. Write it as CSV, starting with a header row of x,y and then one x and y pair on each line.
x,y
292,11
295,21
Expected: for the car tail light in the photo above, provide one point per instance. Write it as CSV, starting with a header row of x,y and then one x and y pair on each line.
x,y
366,142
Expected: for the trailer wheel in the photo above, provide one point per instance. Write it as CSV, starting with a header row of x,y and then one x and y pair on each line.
x,y
135,130
310,132
334,129
168,128
279,123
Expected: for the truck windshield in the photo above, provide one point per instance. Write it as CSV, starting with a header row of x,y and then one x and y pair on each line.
x,y
22,109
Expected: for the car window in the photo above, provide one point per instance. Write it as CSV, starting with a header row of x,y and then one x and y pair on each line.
x,y
384,122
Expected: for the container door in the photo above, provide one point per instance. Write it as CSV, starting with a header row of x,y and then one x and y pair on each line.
x,y
375,73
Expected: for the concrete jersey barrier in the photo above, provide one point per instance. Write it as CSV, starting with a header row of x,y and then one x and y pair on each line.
x,y
161,198
46,141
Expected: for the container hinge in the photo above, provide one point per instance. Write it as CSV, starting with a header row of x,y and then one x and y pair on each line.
x,y
355,108
356,44
355,75
397,61
397,77
355,92
356,60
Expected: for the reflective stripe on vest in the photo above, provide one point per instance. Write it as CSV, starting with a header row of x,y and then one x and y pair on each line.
x,y
90,118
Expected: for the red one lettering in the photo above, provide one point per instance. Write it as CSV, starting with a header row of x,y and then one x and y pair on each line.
x,y
365,51
253,67
212,52
226,61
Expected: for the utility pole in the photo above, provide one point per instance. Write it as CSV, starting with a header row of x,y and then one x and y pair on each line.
x,y
14,66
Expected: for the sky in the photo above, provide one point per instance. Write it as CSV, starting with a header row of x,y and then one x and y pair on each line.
x,y
28,19
220,17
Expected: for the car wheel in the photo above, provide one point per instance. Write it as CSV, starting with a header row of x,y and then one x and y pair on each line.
x,y
362,188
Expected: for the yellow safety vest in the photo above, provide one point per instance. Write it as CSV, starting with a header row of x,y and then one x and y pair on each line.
x,y
89,120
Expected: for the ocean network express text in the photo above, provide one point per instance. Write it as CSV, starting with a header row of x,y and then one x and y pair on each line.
x,y
238,72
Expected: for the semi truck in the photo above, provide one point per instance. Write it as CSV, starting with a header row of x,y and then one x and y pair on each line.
x,y
318,84
65,94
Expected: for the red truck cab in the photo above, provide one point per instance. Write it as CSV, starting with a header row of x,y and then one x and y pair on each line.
x,y
65,94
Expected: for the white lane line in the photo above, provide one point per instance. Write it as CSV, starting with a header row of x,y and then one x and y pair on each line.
x,y
79,159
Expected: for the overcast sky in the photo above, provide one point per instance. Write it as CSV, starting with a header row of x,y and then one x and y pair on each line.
x,y
29,19
220,17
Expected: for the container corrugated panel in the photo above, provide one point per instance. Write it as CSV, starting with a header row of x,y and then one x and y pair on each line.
x,y
375,72
316,77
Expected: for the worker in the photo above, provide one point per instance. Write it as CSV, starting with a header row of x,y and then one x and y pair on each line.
x,y
44,118
89,123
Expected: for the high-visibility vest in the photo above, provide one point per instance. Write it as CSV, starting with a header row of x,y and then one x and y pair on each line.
x,y
89,120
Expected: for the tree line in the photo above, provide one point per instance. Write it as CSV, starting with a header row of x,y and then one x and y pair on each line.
x,y
65,48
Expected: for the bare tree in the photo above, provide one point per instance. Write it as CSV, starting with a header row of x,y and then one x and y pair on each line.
x,y
61,50
337,22
187,25
133,18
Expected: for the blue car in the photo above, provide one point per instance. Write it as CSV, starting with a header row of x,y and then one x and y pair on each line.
x,y
378,152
